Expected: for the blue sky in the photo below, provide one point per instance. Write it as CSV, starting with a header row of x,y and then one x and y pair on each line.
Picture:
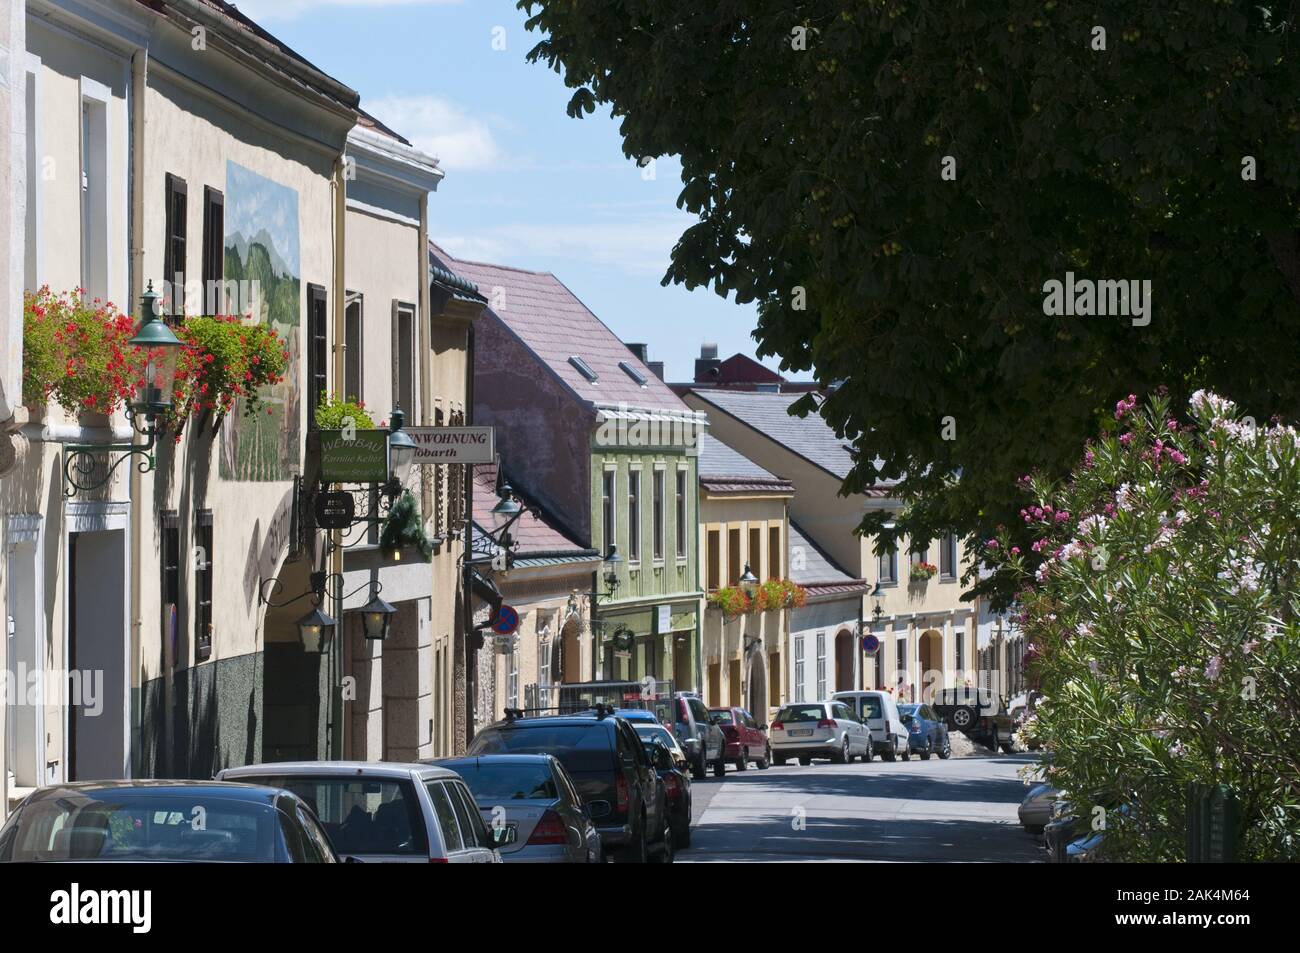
x,y
526,185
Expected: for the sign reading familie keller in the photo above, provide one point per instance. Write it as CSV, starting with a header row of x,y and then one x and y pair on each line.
x,y
353,456
453,444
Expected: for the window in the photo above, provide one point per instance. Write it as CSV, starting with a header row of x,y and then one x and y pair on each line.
x,y
919,555
544,673
821,664
681,514
714,556
174,245
948,557
583,368
658,514
95,243
214,251
607,509
756,552
798,668
634,516
733,557
171,577
887,567
512,676
961,653
317,349
632,372
446,814
404,358
203,586
774,552
352,355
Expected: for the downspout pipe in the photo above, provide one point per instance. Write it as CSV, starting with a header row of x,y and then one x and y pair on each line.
x,y
139,512
338,741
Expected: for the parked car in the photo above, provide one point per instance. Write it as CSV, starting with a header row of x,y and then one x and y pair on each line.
x,y
536,805
380,812
202,821
657,732
1061,829
677,789
879,712
927,733
979,714
1036,808
826,729
699,736
746,738
623,793
638,715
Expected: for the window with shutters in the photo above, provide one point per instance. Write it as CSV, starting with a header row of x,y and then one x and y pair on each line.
x,y
713,558
203,586
733,557
352,349
174,245
214,251
756,552
317,350
404,358
439,483
658,515
775,552
821,664
682,525
634,516
948,557
457,477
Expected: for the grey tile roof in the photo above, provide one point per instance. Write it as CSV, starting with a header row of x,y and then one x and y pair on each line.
x,y
810,437
815,568
555,326
719,460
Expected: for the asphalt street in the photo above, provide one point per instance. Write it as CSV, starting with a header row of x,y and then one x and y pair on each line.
x,y
960,810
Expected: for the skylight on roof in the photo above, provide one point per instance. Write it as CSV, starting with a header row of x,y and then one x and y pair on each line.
x,y
632,372
583,368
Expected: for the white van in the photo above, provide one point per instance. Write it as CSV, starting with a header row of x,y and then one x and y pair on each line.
x,y
879,712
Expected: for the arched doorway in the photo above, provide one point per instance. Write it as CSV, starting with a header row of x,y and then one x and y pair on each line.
x,y
567,666
931,657
756,687
844,661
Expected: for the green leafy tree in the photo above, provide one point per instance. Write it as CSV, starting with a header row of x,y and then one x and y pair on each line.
x,y
1162,611
894,181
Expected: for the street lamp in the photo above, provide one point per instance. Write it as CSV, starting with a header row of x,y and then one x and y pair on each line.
x,y
613,563
376,616
748,582
316,630
401,450
155,342
506,505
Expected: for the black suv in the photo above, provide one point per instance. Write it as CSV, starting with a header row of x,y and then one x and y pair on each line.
x,y
617,781
978,713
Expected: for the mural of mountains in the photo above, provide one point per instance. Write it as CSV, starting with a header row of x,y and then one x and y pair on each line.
x,y
240,245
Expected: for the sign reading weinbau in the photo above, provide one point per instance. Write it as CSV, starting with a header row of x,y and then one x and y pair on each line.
x,y
453,444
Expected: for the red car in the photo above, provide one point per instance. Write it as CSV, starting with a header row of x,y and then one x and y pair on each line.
x,y
746,738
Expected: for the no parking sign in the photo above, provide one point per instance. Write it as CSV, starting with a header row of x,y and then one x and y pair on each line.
x,y
870,644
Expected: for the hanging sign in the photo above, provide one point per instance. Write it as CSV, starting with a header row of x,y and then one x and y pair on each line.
x,y
453,444
353,456
335,510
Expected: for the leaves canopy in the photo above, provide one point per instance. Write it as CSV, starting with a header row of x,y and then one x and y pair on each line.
x,y
819,169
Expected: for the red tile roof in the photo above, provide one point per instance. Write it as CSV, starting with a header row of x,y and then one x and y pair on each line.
x,y
554,325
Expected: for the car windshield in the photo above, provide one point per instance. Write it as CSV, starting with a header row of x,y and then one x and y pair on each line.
x,y
723,715
578,747
138,825
655,733
361,815
503,781
801,713
908,709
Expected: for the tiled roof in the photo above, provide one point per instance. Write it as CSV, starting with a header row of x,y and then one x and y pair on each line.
x,y
555,326
816,571
724,470
533,535
810,437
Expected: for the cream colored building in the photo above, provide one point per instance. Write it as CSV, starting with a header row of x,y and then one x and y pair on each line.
x,y
743,525
176,144
923,626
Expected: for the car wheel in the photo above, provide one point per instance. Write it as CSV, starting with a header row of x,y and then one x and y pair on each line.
x,y
743,761
682,836
805,761
764,761
720,766
664,855
925,755
963,719
843,756
636,852
907,751
993,740
699,770
869,753
946,751
889,755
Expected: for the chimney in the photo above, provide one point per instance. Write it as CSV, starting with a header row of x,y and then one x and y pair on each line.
x,y
639,350
656,368
707,365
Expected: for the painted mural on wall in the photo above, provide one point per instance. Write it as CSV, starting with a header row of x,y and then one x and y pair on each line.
x,y
262,259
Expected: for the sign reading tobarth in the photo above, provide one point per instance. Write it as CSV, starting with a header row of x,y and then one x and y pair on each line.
x,y
453,444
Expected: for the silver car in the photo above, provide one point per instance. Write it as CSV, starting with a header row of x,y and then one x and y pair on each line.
x,y
532,806
1036,808
379,812
825,729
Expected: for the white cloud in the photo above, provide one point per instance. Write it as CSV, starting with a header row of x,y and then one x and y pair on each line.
x,y
266,10
459,140
638,247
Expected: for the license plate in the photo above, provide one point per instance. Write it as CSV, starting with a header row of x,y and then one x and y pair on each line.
x,y
801,732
